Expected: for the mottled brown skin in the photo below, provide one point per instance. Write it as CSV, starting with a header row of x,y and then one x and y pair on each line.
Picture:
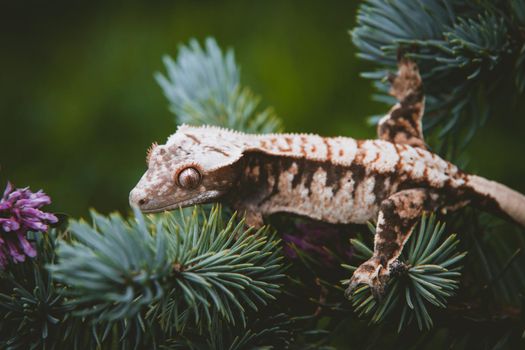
x,y
332,179
398,202
403,122
259,190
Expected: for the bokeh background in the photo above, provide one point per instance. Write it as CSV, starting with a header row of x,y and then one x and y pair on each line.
x,y
79,105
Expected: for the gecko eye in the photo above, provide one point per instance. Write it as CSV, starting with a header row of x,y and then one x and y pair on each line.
x,y
189,178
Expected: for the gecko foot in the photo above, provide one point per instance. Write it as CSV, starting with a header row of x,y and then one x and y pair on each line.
x,y
371,273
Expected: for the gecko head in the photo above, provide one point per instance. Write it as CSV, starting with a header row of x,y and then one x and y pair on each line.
x,y
196,165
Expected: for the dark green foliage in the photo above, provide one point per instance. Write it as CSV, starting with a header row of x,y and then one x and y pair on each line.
x,y
495,259
265,331
161,280
31,308
470,55
172,272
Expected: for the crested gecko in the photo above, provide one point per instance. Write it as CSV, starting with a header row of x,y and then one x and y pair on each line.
x,y
391,180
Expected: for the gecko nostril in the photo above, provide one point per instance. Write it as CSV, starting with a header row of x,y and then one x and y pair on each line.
x,y
143,201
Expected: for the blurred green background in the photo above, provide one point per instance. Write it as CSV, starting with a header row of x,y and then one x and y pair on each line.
x,y
79,105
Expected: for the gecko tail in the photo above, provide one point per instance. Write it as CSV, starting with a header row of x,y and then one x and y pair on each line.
x,y
498,197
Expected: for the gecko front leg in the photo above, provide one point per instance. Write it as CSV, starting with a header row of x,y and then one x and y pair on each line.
x,y
253,218
397,217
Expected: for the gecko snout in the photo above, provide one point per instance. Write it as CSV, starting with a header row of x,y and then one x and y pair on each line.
x,y
138,198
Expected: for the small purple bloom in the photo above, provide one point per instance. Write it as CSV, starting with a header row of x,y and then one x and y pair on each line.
x,y
28,249
19,213
14,253
9,224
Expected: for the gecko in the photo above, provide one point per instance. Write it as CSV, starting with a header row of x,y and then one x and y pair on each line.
x,y
391,180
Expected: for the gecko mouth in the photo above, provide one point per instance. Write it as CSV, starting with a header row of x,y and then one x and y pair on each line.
x,y
203,198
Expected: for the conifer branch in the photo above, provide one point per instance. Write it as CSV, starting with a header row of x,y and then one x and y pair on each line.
x,y
429,276
31,306
172,271
464,50
203,86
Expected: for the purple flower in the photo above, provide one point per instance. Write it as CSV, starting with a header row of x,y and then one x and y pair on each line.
x,y
19,213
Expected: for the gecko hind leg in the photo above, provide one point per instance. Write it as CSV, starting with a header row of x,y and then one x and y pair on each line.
x,y
402,124
398,214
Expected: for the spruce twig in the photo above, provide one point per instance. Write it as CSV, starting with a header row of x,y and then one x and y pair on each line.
x,y
203,86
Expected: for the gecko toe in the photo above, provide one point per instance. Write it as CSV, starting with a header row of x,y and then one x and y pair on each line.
x,y
351,288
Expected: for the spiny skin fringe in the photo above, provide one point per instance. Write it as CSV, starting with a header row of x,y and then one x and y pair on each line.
x,y
150,150
213,128
184,127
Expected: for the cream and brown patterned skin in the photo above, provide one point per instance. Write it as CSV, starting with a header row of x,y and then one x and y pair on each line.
x,y
333,179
